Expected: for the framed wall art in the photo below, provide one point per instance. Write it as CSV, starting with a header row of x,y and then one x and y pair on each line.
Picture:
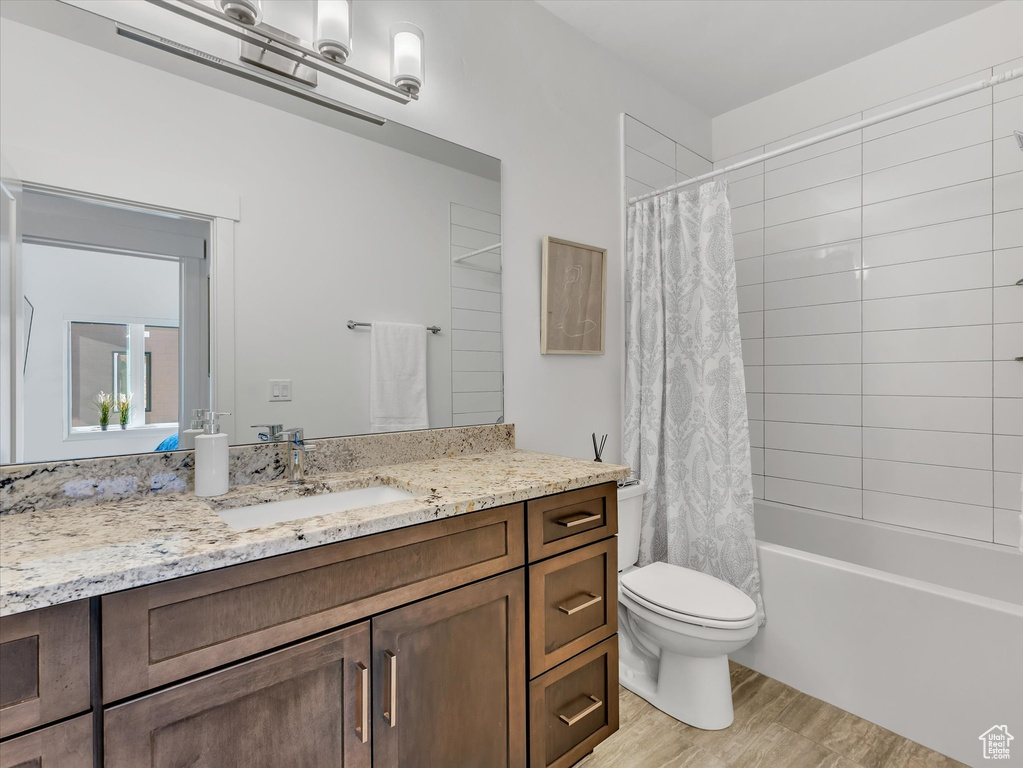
x,y
573,291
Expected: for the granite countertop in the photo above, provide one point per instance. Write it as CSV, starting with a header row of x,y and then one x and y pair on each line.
x,y
58,555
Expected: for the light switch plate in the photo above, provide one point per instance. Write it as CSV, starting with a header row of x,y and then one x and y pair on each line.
x,y
280,390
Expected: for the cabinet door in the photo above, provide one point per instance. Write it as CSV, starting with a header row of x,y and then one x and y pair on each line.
x,y
449,679
305,706
44,666
64,745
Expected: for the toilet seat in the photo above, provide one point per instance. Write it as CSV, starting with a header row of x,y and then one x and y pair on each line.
x,y
689,596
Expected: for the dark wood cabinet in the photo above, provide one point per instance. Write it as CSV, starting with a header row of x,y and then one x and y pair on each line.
x,y
64,745
449,679
172,630
565,521
404,649
305,706
573,604
44,666
574,707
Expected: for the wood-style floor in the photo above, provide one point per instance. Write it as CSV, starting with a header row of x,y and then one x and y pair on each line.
x,y
775,727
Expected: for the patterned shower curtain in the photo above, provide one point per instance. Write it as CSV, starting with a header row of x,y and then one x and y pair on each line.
x,y
686,429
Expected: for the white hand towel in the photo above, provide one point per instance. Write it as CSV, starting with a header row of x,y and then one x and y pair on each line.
x,y
397,377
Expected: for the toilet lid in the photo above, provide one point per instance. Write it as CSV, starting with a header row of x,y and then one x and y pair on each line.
x,y
688,592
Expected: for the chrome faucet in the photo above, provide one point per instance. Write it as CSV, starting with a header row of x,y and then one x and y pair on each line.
x,y
297,450
272,433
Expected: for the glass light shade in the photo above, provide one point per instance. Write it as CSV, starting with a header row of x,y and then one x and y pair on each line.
x,y
334,29
407,57
247,11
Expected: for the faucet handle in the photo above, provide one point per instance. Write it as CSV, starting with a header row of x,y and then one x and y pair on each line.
x,y
293,435
273,432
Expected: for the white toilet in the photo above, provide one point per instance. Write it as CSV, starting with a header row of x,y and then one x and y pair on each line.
x,y
676,628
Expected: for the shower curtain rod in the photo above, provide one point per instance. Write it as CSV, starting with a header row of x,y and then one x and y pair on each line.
x,y
980,85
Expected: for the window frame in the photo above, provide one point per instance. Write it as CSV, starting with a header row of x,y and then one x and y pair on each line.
x,y
136,338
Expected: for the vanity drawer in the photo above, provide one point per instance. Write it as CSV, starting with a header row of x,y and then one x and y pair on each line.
x,y
65,745
161,633
574,707
44,666
573,603
568,520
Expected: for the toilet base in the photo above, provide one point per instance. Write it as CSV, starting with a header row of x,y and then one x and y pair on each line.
x,y
695,690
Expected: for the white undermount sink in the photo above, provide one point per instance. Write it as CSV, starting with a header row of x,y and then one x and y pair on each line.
x,y
256,515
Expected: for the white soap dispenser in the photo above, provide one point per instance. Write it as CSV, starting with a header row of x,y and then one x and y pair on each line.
x,y
187,440
211,454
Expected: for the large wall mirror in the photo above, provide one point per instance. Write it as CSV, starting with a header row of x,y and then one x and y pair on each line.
x,y
175,239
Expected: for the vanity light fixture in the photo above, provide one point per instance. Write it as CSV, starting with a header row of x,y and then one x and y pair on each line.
x,y
269,48
407,57
334,29
245,11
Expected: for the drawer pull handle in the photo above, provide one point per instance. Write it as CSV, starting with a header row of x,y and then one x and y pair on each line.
x,y
593,707
570,609
391,704
571,521
362,702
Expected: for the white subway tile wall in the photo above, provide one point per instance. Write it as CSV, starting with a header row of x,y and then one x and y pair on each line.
x,y
888,320
477,371
880,313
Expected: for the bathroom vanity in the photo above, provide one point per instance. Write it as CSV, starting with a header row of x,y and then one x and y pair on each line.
x,y
462,612
478,629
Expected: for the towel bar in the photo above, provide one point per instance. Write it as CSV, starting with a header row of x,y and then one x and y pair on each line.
x,y
352,325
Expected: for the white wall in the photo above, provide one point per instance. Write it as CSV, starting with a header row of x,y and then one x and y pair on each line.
x,y
878,308
972,43
509,79
65,284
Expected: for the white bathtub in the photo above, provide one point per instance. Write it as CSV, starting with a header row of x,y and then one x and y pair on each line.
x,y
920,633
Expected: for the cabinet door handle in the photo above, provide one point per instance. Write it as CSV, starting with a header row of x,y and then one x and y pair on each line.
x,y
571,521
391,703
569,609
573,719
362,702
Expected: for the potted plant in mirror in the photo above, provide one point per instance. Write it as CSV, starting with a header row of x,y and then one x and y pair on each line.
x,y
124,408
104,404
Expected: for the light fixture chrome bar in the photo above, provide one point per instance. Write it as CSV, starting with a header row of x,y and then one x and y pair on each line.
x,y
261,35
469,255
192,54
352,325
980,85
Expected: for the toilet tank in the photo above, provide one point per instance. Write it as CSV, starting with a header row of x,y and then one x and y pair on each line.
x,y
630,520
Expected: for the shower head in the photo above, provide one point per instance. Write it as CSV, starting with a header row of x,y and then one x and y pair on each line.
x,y
1019,139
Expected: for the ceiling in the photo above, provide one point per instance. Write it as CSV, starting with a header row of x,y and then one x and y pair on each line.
x,y
722,54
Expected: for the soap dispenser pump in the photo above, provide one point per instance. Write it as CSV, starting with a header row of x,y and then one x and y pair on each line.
x,y
211,457
187,441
